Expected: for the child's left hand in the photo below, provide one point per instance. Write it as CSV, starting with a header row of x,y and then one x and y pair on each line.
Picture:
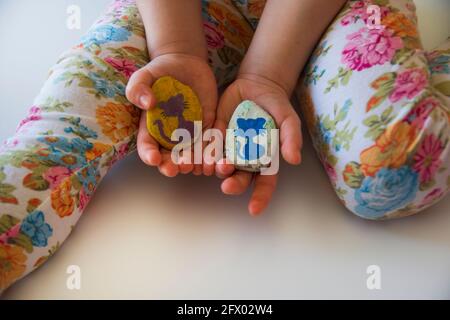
x,y
275,100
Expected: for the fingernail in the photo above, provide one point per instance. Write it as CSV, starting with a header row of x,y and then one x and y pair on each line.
x,y
145,101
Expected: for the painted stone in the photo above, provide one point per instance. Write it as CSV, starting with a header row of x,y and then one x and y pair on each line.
x,y
177,107
248,137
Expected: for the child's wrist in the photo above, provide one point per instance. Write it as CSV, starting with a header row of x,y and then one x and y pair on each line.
x,y
266,75
190,48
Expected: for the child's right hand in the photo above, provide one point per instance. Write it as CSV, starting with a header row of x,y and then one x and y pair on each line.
x,y
272,97
190,70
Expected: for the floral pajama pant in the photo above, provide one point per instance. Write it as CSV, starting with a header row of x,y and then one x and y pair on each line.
x,y
376,106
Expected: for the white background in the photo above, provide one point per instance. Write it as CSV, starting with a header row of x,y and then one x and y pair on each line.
x,y
145,236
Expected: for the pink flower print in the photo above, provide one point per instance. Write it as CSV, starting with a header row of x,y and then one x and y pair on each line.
x,y
427,159
370,47
56,175
408,84
9,144
430,198
121,153
11,233
124,66
34,114
420,112
330,170
214,38
83,199
358,11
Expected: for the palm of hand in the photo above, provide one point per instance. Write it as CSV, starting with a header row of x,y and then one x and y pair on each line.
x,y
190,70
275,101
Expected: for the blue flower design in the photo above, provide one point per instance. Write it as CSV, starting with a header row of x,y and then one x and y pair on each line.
x,y
325,133
81,146
105,88
389,190
88,177
60,143
35,227
76,145
439,65
69,154
78,128
104,34
331,133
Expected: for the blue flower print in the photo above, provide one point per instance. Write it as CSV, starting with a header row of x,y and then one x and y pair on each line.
x,y
89,176
104,34
76,145
78,128
35,227
440,65
69,154
105,87
389,190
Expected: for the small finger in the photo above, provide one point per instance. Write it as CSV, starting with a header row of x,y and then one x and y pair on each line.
x,y
186,166
262,193
223,169
167,167
198,170
237,184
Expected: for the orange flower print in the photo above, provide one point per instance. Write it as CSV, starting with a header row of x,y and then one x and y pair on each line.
x,y
400,24
62,200
97,150
390,149
237,31
217,11
118,121
12,264
234,28
256,7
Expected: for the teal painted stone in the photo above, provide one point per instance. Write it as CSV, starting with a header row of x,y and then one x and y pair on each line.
x,y
248,139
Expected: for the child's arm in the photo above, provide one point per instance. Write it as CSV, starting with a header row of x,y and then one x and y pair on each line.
x,y
173,26
177,47
287,33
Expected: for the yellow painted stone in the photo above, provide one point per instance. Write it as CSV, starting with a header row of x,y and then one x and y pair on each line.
x,y
178,107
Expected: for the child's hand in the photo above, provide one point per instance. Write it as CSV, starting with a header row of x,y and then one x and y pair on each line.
x,y
275,100
192,71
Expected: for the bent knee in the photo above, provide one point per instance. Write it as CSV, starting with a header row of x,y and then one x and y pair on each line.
x,y
393,193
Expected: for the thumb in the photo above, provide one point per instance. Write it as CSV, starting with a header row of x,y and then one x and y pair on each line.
x,y
138,90
289,124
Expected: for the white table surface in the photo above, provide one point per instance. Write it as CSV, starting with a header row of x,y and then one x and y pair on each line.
x,y
145,236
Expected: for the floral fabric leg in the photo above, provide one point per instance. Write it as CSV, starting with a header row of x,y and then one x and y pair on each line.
x,y
376,107
78,126
81,124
